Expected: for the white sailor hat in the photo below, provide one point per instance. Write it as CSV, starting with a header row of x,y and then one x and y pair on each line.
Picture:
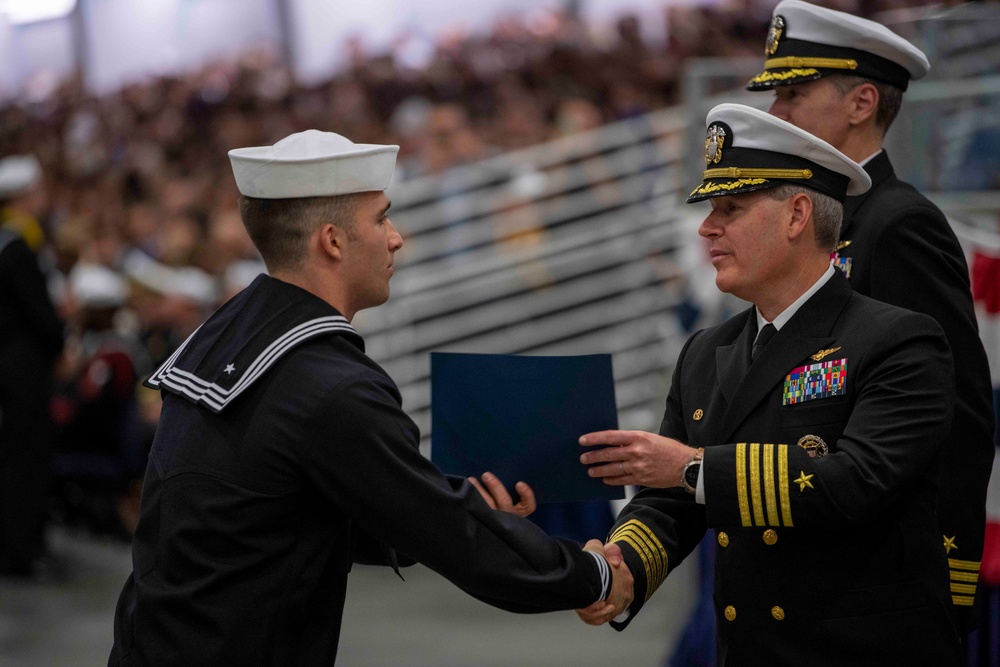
x,y
807,42
97,286
312,164
18,173
748,150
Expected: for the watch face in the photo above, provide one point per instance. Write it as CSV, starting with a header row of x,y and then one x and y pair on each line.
x,y
691,474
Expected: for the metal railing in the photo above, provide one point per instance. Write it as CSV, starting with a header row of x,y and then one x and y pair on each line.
x,y
566,248
578,246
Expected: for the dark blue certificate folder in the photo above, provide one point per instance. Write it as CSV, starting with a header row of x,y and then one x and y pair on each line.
x,y
521,418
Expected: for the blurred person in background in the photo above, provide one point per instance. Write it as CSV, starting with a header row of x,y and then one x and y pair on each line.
x,y
31,338
100,447
169,302
846,87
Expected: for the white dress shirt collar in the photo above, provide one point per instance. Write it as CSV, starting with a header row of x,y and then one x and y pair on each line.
x,y
787,313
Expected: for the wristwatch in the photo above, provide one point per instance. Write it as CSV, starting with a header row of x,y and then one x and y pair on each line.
x,y
689,476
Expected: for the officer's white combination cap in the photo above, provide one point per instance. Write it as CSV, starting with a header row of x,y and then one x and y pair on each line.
x,y
807,42
748,150
312,164
18,173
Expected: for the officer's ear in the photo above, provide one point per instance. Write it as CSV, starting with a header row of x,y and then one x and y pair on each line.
x,y
330,241
864,103
800,209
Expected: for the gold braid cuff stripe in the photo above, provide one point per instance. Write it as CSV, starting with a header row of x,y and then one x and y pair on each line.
x,y
649,548
741,484
962,600
823,63
748,485
970,565
755,499
643,555
783,483
739,172
964,576
770,498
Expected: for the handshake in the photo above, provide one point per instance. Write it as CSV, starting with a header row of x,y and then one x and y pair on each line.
x,y
496,496
621,595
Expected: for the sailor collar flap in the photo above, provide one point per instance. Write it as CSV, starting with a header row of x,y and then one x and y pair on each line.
x,y
239,343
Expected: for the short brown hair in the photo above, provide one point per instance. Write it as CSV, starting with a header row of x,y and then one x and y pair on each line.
x,y
828,213
279,227
890,98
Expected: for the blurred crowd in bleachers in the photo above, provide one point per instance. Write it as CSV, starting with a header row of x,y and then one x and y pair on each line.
x,y
137,183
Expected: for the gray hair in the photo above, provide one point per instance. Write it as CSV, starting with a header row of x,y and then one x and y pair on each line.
x,y
890,98
828,213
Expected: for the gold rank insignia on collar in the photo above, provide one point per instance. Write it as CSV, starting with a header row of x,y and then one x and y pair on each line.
x,y
842,245
822,353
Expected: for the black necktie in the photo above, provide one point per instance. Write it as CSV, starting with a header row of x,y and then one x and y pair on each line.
x,y
763,338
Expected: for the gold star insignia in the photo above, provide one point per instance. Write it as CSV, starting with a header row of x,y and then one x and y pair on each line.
x,y
949,544
803,481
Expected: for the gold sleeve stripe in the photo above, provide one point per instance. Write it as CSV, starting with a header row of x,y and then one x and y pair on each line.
x,y
970,589
650,550
644,531
962,600
654,564
758,504
970,565
964,576
641,547
654,574
770,498
824,63
627,539
783,482
741,483
655,571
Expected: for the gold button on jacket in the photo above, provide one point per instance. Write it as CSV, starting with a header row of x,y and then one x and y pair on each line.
x,y
778,613
770,537
730,613
723,539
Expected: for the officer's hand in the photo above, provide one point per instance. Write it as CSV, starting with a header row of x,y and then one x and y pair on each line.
x,y
496,496
637,457
622,593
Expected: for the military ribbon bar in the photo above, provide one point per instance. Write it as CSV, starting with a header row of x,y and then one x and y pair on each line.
x,y
822,380
842,263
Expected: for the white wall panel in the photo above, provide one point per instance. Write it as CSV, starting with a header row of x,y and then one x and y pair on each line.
x,y
321,28
128,39
34,50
